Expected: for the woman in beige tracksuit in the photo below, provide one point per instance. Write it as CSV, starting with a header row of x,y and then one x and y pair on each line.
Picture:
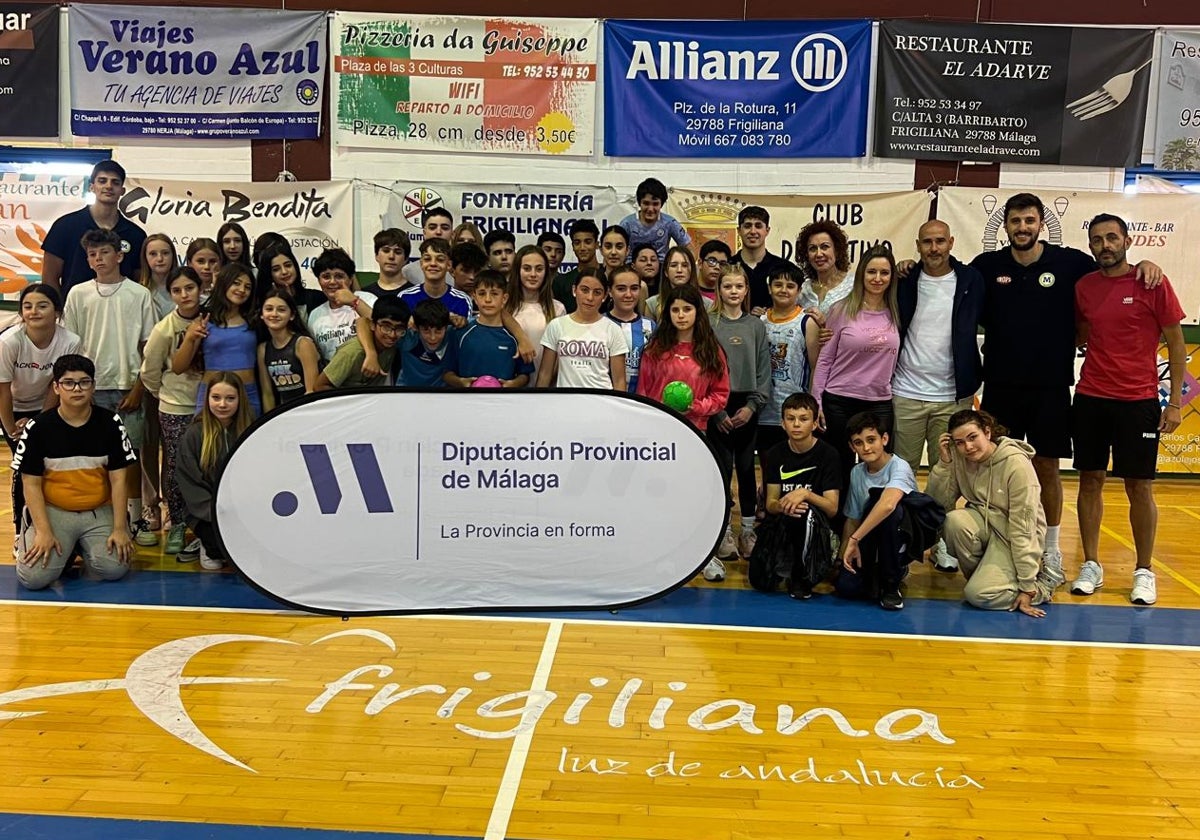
x,y
999,535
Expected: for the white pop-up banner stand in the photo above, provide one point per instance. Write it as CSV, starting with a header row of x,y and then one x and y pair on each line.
x,y
402,501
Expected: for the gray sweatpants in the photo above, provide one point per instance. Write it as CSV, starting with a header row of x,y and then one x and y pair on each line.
x,y
986,561
89,528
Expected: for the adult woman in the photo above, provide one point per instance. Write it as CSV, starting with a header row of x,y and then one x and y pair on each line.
x,y
825,257
854,370
998,537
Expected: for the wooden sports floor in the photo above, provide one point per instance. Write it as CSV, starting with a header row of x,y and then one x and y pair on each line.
x,y
184,704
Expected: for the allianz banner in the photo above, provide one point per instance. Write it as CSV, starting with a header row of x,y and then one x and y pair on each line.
x,y
28,70
240,74
1027,94
1177,139
736,89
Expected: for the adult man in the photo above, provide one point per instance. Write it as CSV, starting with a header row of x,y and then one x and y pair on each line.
x,y
69,461
754,223
1029,345
1116,401
64,264
938,370
436,223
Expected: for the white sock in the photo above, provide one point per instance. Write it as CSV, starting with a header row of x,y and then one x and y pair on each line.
x,y
747,523
134,506
1052,537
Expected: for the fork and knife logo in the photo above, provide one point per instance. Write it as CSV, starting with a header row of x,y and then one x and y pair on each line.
x,y
1108,97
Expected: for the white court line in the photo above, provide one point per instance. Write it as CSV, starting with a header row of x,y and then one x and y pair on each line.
x,y
615,622
506,796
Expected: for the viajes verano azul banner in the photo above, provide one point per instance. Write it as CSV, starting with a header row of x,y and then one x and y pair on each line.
x,y
464,84
1028,94
196,72
736,89
1177,138
28,70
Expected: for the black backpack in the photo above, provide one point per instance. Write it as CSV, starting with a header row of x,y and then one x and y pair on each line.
x,y
798,551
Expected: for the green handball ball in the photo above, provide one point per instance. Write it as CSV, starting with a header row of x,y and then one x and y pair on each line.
x,y
678,395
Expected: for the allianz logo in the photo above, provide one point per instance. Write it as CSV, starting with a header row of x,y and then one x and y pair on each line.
x,y
818,62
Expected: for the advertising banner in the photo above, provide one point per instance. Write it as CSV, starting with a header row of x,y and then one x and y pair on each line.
x,y
1026,94
190,71
561,499
880,219
28,70
464,84
1177,138
29,204
735,88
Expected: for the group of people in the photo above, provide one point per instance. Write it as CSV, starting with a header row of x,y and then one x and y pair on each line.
x,y
818,371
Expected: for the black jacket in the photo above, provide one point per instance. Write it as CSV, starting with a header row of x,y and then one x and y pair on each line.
x,y
964,328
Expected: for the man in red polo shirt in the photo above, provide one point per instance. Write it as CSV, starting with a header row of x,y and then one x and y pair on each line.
x,y
1116,403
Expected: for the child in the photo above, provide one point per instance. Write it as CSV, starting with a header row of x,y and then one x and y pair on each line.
x,y
626,294
555,249
530,299
389,320
733,429
648,265
203,256
288,361
714,256
584,349
435,262
651,225
333,322
874,550
466,260
175,395
436,223
803,480
391,254
202,452
678,270
754,225
423,349
469,233
486,348
234,244
793,340
584,238
159,264
226,336
278,268
614,248
685,349
113,318
500,246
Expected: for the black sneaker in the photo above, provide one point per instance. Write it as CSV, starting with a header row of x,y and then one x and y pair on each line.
x,y
891,599
802,590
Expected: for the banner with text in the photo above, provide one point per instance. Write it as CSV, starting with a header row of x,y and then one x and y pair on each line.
x,y
736,89
879,219
525,210
1027,94
313,215
28,70
464,84
1177,138
196,72
29,204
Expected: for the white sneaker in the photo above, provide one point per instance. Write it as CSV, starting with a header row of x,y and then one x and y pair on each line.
x,y
714,572
210,564
943,560
1091,578
746,541
728,548
1052,560
1145,587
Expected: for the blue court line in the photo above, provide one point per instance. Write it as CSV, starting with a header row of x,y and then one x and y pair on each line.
x,y
709,606
36,827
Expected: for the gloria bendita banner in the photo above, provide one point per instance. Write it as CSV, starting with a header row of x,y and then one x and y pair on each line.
x,y
28,70
1027,94
196,72
464,84
881,219
736,89
1177,138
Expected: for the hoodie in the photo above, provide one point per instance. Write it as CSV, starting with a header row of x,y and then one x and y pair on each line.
x,y
710,393
1004,490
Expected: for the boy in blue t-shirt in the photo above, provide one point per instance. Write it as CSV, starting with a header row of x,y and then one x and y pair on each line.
x,y
874,551
652,226
485,347
422,350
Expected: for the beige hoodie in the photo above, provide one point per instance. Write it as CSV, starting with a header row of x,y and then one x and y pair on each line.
x,y
1005,491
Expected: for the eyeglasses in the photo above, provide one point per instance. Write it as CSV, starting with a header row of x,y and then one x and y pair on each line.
x,y
715,263
76,384
389,329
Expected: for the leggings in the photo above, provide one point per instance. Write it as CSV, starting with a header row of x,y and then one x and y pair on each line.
x,y
735,453
838,411
172,427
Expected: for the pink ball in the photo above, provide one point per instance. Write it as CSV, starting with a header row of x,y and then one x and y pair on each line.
x,y
486,382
